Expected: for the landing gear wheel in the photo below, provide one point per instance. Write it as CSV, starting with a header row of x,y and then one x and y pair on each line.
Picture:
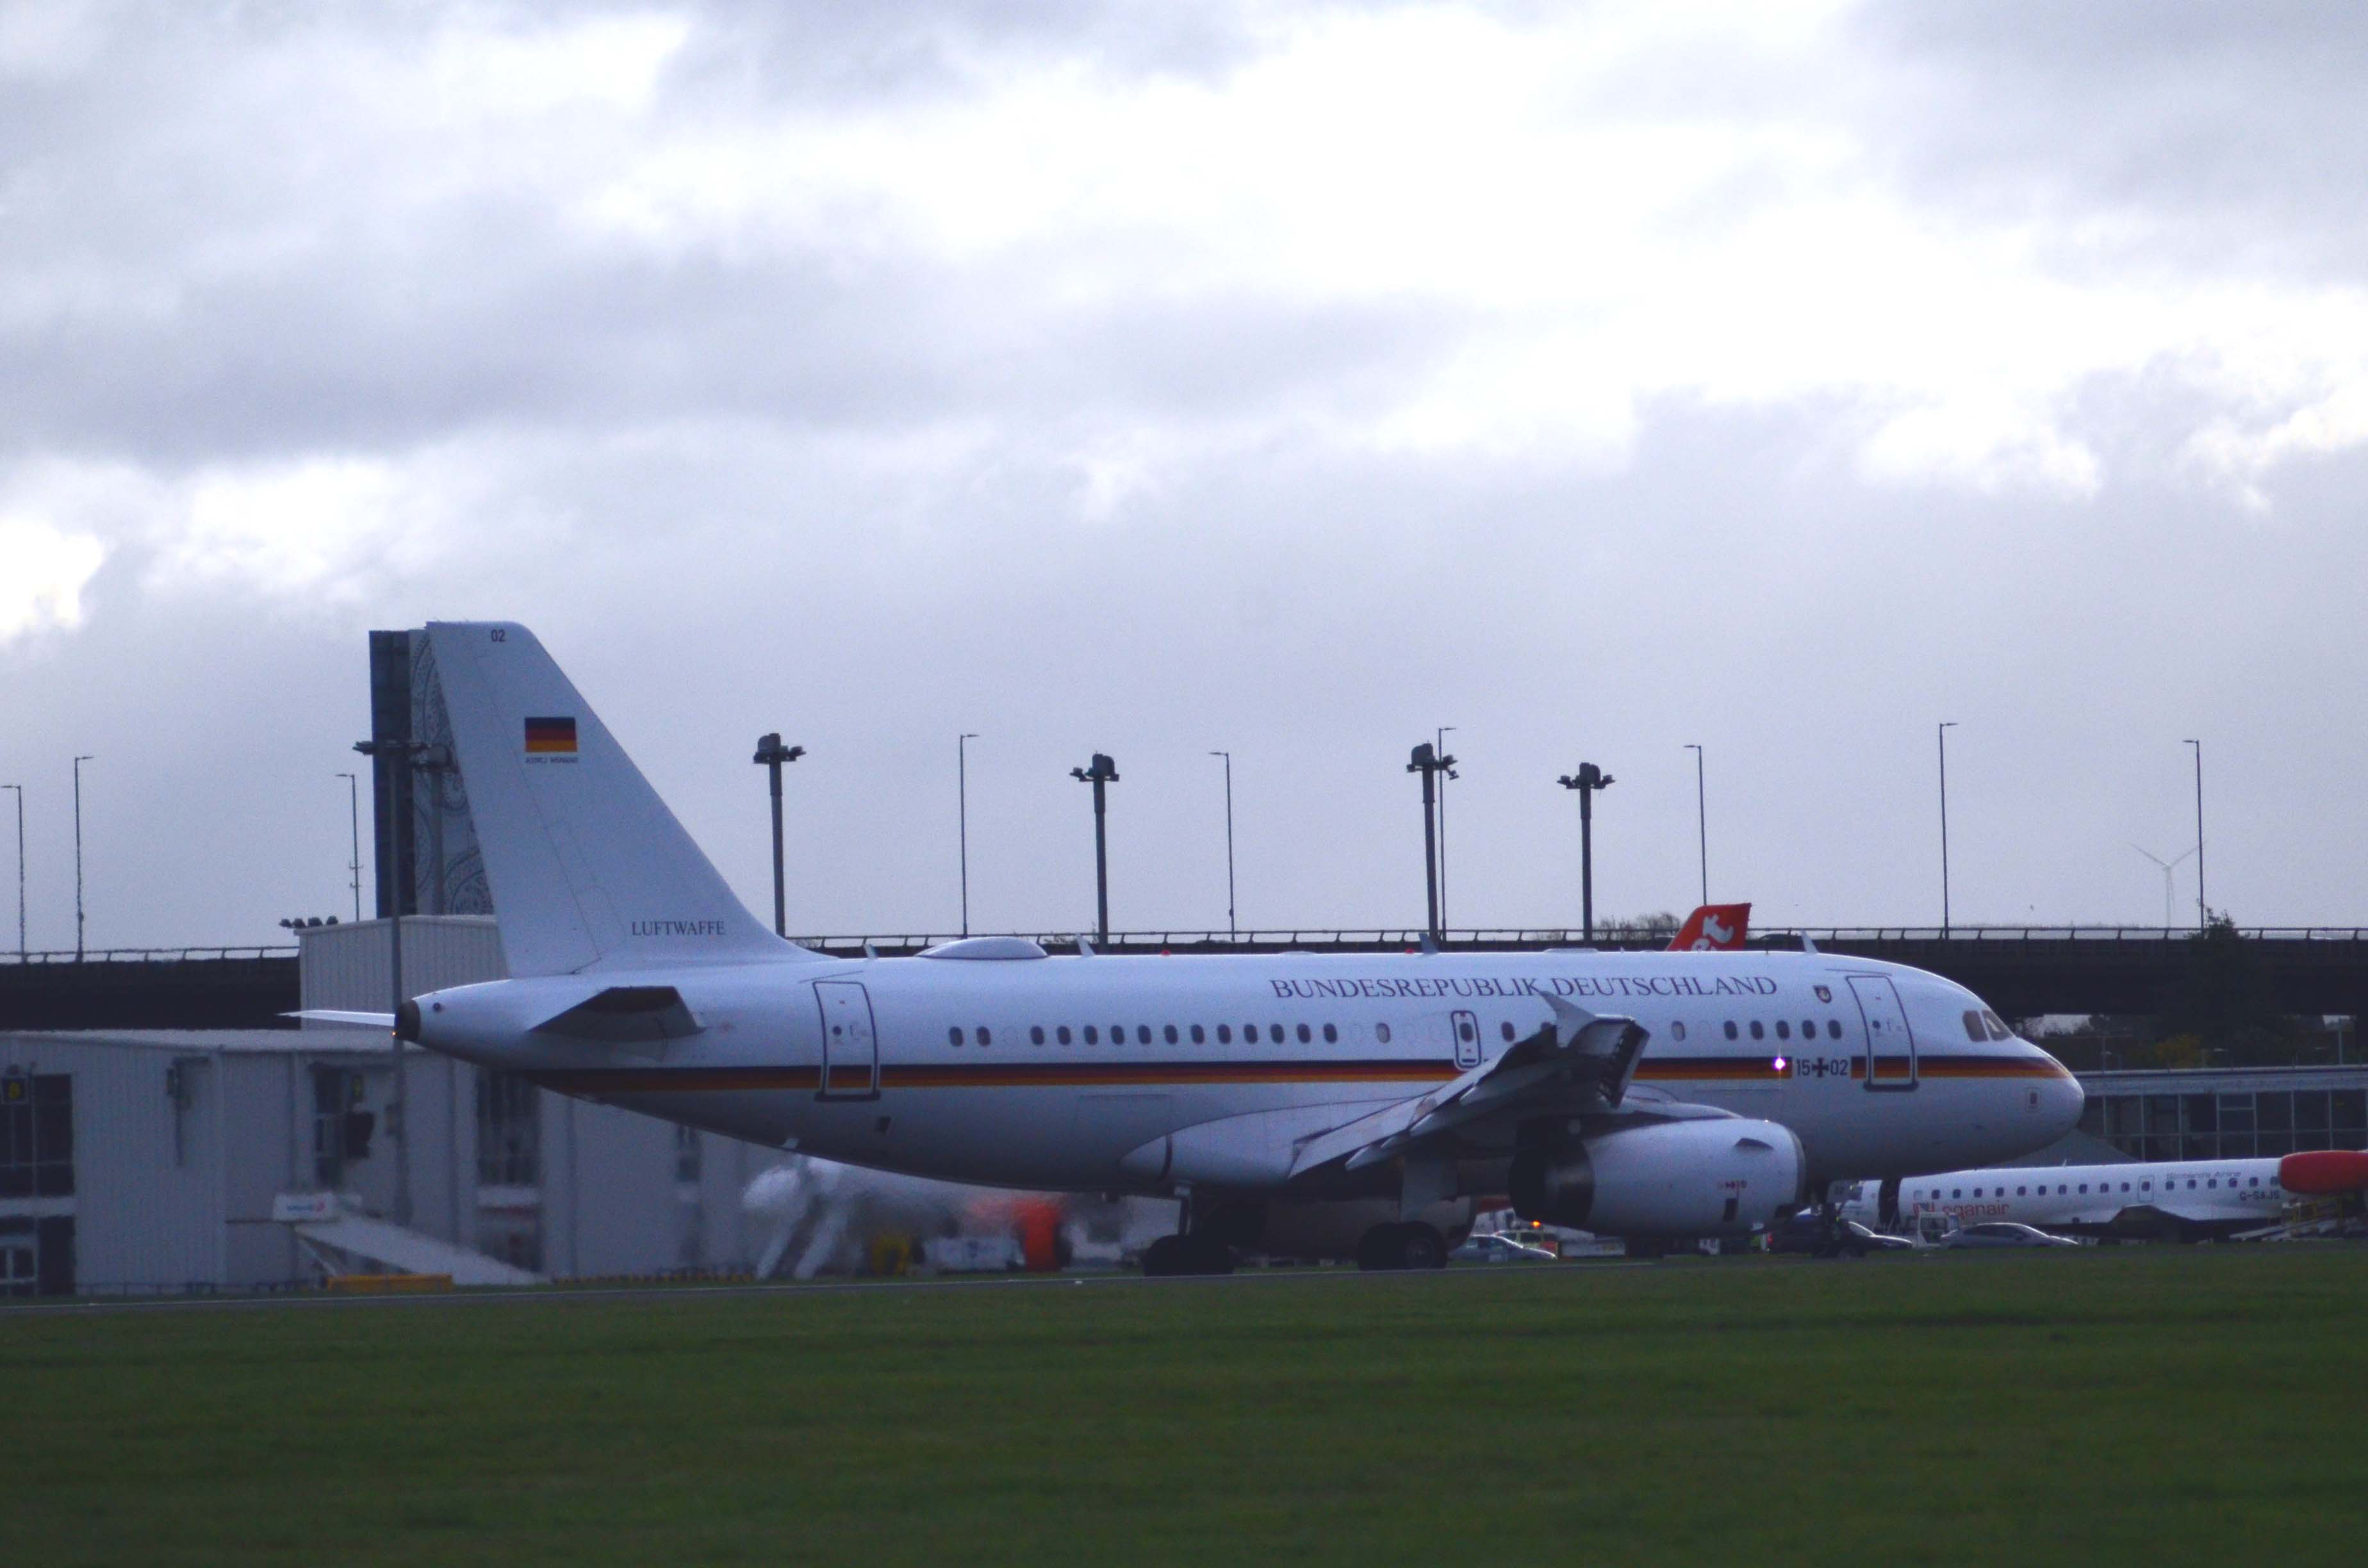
x,y
1420,1246
1205,1255
1402,1246
1164,1257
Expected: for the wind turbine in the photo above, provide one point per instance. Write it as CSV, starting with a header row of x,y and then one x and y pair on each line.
x,y
2168,866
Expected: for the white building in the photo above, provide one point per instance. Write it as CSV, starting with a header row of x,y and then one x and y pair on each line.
x,y
143,1161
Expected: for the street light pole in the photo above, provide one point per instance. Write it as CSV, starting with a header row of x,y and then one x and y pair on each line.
x,y
1702,820
1232,929
962,818
1439,738
397,754
1587,782
1102,772
2203,910
1428,760
354,805
771,753
21,867
78,919
1943,733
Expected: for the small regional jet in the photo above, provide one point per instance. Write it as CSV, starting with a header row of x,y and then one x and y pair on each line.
x,y
2190,1200
1298,1104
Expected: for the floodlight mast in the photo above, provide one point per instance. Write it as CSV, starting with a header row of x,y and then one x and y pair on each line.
x,y
771,755
1426,760
1587,782
1100,773
399,754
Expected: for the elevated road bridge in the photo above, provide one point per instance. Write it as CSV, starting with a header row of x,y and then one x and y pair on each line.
x,y
2022,971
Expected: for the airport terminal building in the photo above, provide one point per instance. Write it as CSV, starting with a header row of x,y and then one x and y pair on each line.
x,y
145,1161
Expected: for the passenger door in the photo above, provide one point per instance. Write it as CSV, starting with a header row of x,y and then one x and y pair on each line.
x,y
1890,1046
1467,1041
850,1046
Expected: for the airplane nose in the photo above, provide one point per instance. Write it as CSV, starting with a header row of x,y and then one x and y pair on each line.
x,y
2062,1100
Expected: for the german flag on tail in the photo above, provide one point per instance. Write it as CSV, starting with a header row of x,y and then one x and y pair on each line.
x,y
551,737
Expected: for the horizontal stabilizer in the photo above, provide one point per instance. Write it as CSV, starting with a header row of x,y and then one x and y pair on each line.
x,y
337,1015
624,1013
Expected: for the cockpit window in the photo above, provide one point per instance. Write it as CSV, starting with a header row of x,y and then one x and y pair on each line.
x,y
1998,1026
1974,1029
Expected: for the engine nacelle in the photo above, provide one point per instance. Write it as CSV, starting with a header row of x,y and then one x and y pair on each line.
x,y
1720,1178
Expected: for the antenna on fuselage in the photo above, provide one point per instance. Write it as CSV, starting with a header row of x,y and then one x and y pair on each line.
x,y
1084,949
1807,945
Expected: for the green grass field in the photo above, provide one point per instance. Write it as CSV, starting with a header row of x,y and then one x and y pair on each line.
x,y
2131,1404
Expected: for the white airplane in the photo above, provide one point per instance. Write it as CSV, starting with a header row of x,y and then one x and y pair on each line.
x,y
2168,1200
1304,1103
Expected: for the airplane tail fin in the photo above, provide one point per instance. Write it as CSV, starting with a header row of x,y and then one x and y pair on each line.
x,y
587,865
1714,927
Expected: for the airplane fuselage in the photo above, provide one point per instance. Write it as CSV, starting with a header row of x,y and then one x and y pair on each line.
x,y
1059,1073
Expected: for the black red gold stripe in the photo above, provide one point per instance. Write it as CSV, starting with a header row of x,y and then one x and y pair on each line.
x,y
603,1083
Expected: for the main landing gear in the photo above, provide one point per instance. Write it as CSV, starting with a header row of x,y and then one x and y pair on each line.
x,y
1402,1246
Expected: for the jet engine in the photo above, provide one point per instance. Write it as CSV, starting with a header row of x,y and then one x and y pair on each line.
x,y
1718,1177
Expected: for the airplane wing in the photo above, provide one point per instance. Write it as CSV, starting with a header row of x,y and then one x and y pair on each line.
x,y
1577,1066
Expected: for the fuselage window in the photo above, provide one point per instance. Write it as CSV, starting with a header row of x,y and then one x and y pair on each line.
x,y
1759,1030
1225,1034
1093,1035
1833,1029
1676,1031
1118,1034
1170,1033
1783,1030
1143,1034
1274,1033
1505,1029
1200,1035
984,1037
1249,1033
954,1035
1808,1029
2213,1182
1062,1034
1956,1192
2020,1193
1036,1034
1381,1033
2084,1186
1306,1034
1331,1035
1730,1028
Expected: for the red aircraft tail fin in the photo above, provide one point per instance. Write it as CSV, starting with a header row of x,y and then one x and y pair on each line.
x,y
1714,927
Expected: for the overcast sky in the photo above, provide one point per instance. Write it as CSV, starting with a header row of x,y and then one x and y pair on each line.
x,y
1153,379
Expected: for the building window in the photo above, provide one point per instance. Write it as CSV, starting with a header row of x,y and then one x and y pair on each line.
x,y
37,1135
341,1128
509,1130
688,1150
